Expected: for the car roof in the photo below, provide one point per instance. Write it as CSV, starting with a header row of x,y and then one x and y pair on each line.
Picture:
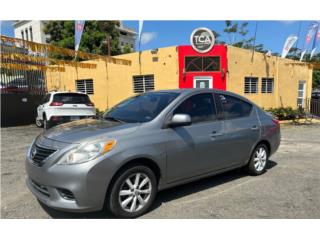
x,y
195,90
187,91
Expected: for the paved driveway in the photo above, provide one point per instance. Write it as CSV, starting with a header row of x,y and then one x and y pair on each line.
x,y
289,189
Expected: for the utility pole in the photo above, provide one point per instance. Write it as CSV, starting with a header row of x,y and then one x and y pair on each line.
x,y
108,39
254,41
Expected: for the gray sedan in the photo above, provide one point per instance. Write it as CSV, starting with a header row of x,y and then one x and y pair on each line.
x,y
145,144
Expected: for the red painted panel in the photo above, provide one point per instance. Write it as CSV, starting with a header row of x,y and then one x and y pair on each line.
x,y
219,78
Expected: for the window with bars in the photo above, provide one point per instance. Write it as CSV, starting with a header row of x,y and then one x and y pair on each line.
x,y
31,34
143,83
250,85
202,64
301,93
267,85
85,86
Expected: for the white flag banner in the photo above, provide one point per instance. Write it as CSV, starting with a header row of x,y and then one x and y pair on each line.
x,y
315,41
302,54
140,31
312,53
311,32
288,45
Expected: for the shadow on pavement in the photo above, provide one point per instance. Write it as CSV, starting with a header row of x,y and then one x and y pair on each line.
x,y
163,196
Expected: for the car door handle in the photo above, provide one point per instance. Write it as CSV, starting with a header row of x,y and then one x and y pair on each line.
x,y
216,134
254,127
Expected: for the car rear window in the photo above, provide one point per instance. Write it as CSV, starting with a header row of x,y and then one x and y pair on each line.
x,y
71,98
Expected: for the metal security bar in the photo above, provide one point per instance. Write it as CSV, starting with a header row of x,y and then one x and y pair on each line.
x,y
250,85
85,86
202,64
267,85
143,83
20,80
313,106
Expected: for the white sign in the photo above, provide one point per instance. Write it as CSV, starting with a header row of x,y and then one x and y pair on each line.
x,y
202,40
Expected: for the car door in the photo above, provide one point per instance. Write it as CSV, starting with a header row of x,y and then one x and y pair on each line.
x,y
241,128
195,149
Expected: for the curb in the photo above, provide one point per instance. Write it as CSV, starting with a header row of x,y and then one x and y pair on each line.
x,y
290,121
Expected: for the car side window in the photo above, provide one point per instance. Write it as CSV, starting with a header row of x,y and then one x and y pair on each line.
x,y
233,107
200,107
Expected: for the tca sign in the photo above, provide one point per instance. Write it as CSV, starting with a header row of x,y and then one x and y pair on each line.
x,y
202,40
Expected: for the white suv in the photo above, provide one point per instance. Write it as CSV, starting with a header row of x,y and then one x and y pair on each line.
x,y
60,107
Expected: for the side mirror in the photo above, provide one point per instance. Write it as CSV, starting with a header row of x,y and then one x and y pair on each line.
x,y
179,120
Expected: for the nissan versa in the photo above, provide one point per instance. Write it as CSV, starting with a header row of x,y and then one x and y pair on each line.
x,y
147,143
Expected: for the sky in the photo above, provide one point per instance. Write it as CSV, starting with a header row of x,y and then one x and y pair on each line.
x,y
157,34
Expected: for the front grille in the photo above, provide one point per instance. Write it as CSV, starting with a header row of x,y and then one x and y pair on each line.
x,y
40,188
39,154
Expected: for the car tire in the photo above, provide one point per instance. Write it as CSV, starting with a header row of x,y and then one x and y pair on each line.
x,y
258,161
39,123
130,202
46,123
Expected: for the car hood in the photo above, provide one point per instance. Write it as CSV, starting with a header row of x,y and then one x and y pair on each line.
x,y
89,129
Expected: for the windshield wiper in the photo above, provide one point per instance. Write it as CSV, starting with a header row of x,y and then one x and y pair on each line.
x,y
114,119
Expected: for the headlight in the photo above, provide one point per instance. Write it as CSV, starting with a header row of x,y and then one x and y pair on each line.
x,y
87,152
30,147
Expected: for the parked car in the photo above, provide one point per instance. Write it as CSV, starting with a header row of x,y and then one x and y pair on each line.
x,y
147,143
315,95
62,107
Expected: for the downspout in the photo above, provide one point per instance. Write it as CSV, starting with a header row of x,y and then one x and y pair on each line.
x,y
277,75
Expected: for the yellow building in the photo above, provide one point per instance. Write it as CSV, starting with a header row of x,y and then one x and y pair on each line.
x,y
268,81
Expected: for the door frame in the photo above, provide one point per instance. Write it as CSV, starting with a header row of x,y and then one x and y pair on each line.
x,y
197,78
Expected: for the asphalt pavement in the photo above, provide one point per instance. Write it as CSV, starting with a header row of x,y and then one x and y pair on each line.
x,y
289,189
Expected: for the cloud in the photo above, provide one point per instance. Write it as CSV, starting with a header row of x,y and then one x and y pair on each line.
x,y
147,37
288,22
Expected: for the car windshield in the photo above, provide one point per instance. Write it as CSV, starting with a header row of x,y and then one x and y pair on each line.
x,y
140,108
71,98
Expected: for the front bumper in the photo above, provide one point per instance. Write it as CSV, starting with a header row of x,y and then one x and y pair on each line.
x,y
88,182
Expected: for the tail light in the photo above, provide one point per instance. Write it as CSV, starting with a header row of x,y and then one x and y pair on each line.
x,y
91,104
276,121
56,104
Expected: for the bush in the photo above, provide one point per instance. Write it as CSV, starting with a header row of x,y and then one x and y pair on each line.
x,y
99,114
284,113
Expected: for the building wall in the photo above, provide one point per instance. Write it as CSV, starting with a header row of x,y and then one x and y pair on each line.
x,y
286,73
186,79
127,35
113,83
37,30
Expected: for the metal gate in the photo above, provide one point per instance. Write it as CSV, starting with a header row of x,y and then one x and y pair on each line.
x,y
313,105
21,89
24,65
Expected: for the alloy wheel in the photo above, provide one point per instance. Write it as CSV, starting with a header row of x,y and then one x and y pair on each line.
x,y
135,192
38,122
260,159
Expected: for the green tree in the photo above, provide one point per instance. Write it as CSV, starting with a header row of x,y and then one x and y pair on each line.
x,y
126,49
237,35
316,79
217,36
94,37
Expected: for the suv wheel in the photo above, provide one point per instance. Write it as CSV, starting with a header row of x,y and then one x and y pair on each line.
x,y
46,123
258,162
133,192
